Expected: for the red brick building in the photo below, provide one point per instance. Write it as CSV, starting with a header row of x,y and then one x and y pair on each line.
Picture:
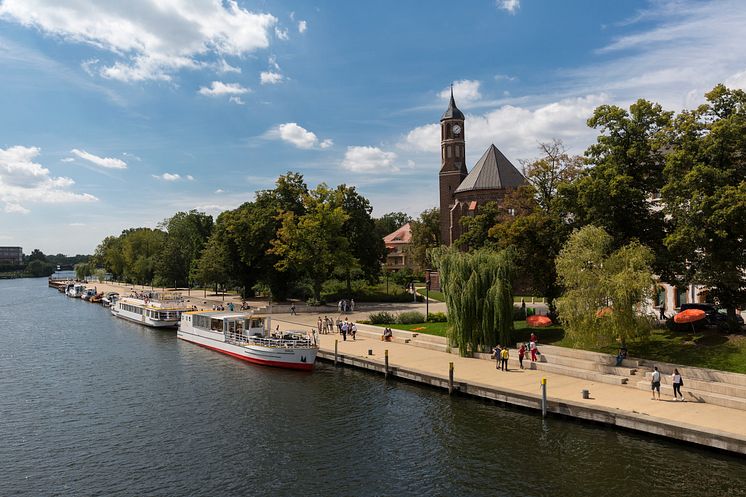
x,y
463,192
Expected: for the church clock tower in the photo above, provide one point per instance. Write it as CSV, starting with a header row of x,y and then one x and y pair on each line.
x,y
452,165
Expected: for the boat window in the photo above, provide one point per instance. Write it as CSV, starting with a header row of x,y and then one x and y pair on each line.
x,y
216,325
202,322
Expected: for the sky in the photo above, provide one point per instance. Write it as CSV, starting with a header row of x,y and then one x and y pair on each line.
x,y
119,114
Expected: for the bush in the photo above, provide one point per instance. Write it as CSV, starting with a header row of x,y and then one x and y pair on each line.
x,y
437,317
382,318
411,317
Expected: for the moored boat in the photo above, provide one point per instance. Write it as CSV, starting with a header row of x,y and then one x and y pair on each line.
x,y
248,336
151,309
109,299
76,290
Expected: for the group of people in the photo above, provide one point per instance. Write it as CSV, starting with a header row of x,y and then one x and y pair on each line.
x,y
345,305
502,354
326,325
221,307
676,381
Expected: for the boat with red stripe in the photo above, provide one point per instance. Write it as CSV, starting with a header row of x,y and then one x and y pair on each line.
x,y
249,337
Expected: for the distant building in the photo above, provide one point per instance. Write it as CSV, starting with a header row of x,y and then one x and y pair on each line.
x,y
397,256
11,256
463,192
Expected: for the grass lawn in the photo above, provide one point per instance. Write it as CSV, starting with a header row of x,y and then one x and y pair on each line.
x,y
438,329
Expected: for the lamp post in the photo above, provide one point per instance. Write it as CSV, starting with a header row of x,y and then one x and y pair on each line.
x,y
427,294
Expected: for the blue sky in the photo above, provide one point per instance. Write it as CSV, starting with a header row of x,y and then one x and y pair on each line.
x,y
118,114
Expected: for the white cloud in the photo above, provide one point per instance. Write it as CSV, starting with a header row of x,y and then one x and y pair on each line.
x,y
270,78
24,181
369,160
223,67
190,177
236,100
465,92
298,136
219,190
105,162
167,176
150,40
302,26
218,89
510,5
67,159
76,225
281,34
516,130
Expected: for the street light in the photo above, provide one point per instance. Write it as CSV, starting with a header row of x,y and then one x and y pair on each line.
x,y
427,294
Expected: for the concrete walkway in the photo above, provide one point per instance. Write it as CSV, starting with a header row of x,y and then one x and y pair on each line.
x,y
699,417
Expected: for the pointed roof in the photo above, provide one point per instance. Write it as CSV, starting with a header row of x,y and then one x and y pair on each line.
x,y
452,112
402,235
491,172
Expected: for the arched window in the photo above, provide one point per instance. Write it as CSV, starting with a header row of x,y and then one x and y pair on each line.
x,y
448,151
660,297
680,296
458,151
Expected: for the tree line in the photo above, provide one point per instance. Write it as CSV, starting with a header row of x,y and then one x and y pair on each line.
x,y
288,241
672,185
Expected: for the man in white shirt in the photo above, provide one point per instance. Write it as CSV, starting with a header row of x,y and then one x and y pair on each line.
x,y
655,384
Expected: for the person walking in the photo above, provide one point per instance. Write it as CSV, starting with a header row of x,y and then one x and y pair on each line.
x,y
353,330
662,312
496,352
292,310
352,305
320,325
521,354
678,382
504,356
344,331
655,383
532,348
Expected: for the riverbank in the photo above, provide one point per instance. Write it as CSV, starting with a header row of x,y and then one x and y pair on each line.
x,y
615,405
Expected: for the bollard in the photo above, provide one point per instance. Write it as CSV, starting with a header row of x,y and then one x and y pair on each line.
x,y
543,397
450,378
386,364
586,394
336,344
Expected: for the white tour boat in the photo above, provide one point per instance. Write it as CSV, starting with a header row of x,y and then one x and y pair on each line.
x,y
75,291
248,337
151,309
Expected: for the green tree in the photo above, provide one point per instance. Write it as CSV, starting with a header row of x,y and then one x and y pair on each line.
x,y
140,250
37,255
478,288
705,196
626,173
186,234
214,264
425,236
109,255
314,243
596,277
390,222
38,268
475,229
359,229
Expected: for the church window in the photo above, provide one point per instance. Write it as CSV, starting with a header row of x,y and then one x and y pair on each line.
x,y
448,152
458,151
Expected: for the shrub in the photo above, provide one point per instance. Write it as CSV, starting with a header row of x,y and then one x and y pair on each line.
x,y
411,317
437,317
382,318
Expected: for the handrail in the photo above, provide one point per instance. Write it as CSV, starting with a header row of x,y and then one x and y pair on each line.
x,y
304,343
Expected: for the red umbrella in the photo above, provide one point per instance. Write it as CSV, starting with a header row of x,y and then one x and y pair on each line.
x,y
689,316
604,311
538,321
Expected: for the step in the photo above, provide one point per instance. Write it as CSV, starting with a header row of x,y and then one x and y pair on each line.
x,y
703,386
581,373
598,357
699,396
586,364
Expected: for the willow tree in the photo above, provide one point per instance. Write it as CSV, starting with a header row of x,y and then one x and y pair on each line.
x,y
603,289
478,288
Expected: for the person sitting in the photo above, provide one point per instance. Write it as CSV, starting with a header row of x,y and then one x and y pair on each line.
x,y
387,334
622,355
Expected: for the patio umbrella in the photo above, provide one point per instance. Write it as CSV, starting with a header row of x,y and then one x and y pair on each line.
x,y
538,321
689,316
604,311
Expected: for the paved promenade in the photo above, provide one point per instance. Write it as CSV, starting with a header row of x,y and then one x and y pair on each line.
x,y
632,403
701,423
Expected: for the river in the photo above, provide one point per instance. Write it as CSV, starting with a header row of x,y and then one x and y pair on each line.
x,y
93,405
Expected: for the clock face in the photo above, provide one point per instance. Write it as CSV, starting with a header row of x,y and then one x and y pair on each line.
x,y
457,130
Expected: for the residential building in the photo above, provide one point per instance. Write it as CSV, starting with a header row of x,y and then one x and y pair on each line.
x,y
11,256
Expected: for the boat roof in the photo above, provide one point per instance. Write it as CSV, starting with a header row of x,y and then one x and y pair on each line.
x,y
227,314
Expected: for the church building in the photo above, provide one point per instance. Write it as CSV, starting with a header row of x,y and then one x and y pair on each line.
x,y
463,192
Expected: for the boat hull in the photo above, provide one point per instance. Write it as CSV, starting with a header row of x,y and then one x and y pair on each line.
x,y
301,359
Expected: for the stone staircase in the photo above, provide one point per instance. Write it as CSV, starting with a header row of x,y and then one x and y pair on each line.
x,y
700,385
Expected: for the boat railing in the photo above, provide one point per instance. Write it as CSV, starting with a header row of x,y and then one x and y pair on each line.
x,y
283,343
